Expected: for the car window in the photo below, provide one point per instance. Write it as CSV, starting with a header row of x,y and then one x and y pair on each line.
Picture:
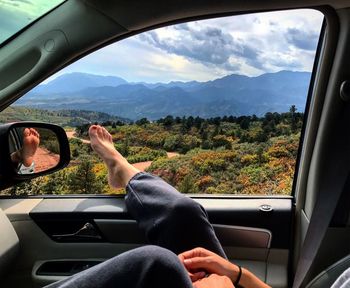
x,y
212,106
17,14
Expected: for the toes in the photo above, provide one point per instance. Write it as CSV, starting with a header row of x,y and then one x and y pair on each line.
x,y
26,132
106,134
93,130
34,132
100,132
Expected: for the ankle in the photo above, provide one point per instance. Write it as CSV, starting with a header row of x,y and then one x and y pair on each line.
x,y
126,172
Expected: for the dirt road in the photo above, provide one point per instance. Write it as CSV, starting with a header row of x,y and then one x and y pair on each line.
x,y
70,135
45,160
144,165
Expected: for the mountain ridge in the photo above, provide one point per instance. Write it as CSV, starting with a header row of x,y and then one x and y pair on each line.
x,y
229,95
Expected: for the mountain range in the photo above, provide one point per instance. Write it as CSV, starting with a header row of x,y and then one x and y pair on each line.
x,y
231,95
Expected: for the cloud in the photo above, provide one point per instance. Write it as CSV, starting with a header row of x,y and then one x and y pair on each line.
x,y
208,45
306,40
204,50
284,62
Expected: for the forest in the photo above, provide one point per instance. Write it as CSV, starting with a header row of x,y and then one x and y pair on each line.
x,y
246,155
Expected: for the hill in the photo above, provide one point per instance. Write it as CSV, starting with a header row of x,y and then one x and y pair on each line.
x,y
60,117
230,95
77,81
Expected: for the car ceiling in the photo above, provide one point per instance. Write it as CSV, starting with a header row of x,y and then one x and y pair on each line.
x,y
136,15
85,26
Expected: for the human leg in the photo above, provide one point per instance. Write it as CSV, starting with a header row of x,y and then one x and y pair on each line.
x,y
120,171
145,267
168,218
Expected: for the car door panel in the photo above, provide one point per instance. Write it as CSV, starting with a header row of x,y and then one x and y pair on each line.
x,y
9,243
251,237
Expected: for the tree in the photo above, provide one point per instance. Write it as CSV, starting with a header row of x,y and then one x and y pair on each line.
x,y
124,149
83,179
203,131
245,123
198,122
56,183
293,118
178,120
168,121
216,131
171,143
221,141
187,185
32,187
189,122
142,122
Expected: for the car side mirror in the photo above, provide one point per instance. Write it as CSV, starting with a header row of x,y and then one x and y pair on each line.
x,y
31,149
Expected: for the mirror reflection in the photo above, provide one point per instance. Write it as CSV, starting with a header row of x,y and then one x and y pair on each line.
x,y
33,149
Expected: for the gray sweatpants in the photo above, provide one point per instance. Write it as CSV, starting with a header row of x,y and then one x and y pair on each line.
x,y
172,222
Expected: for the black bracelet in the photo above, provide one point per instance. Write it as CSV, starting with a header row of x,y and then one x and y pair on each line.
x,y
238,277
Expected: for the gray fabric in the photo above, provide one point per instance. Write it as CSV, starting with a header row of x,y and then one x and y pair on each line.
x,y
9,244
343,281
147,267
331,275
170,220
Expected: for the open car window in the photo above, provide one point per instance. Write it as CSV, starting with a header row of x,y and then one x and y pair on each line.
x,y
212,106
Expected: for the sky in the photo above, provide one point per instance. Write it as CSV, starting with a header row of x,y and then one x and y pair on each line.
x,y
204,50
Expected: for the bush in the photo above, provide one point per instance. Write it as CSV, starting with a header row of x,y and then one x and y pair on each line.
x,y
141,154
53,146
222,141
187,185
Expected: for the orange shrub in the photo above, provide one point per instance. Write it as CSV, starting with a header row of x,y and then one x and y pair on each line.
x,y
205,181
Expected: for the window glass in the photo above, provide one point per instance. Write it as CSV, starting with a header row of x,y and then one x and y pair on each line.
x,y
17,14
212,106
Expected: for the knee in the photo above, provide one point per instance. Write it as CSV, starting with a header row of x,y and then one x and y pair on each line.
x,y
187,209
154,251
160,256
159,264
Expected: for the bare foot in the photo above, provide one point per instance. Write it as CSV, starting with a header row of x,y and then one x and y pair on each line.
x,y
30,145
120,171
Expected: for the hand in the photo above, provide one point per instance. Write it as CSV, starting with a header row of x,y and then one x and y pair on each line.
x,y
200,261
213,281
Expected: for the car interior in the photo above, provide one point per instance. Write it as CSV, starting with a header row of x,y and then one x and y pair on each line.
x,y
291,241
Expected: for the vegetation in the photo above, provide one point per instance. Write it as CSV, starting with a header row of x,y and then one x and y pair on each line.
x,y
224,155
59,117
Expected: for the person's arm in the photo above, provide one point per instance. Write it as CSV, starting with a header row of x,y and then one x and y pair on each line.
x,y
213,281
200,260
16,157
248,279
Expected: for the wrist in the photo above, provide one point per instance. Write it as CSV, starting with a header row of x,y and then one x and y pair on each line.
x,y
241,277
246,278
236,272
